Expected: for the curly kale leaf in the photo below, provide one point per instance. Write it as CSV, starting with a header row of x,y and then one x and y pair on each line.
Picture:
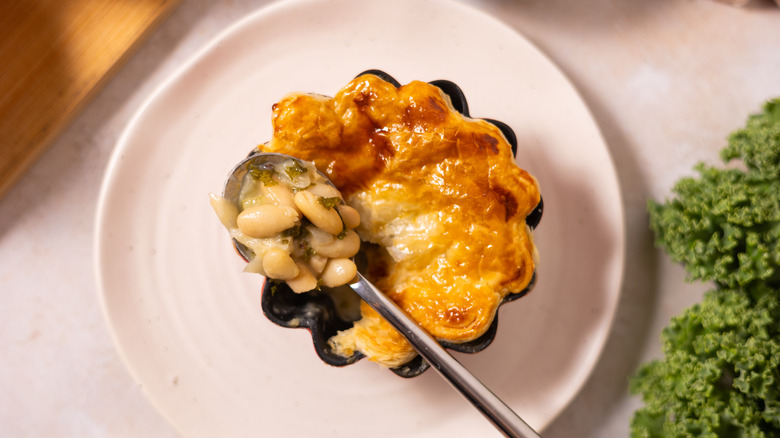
x,y
720,375
724,225
758,144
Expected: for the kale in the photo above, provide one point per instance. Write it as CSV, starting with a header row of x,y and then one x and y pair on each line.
x,y
720,371
263,174
724,226
329,203
720,376
295,170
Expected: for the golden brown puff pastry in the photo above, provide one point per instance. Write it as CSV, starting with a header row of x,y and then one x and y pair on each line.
x,y
439,193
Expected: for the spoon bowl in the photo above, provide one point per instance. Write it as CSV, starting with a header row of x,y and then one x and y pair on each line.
x,y
237,177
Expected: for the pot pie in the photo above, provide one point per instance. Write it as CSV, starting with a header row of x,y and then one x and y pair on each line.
x,y
441,201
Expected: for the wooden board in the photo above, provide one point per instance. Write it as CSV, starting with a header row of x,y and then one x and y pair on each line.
x,y
54,56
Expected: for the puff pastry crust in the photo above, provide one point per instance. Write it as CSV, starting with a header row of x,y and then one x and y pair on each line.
x,y
439,194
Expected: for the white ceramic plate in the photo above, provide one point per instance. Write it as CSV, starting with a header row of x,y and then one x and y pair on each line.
x,y
187,321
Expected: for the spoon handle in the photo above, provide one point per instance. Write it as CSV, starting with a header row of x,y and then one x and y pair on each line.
x,y
492,407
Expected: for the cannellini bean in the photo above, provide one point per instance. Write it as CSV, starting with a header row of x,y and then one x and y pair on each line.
x,y
349,215
317,263
319,238
278,264
338,248
304,281
326,219
226,211
279,194
338,272
325,190
266,220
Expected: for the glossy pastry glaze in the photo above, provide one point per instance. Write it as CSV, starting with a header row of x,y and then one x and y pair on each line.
x,y
439,194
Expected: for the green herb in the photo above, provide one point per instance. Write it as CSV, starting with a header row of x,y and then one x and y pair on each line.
x,y
329,203
720,374
297,230
343,232
293,231
264,175
295,170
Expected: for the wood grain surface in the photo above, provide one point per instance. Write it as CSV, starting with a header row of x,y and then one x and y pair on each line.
x,y
55,55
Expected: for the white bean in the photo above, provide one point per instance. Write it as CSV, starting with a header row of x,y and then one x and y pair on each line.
x,y
278,264
325,190
338,248
326,219
338,272
349,215
266,220
279,194
319,238
317,263
226,211
304,281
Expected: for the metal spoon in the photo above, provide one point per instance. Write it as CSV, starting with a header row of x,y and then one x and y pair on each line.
x,y
490,405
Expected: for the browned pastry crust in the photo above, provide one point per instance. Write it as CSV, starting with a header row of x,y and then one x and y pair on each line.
x,y
439,193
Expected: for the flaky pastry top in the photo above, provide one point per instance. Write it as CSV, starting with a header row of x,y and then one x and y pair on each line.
x,y
440,195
